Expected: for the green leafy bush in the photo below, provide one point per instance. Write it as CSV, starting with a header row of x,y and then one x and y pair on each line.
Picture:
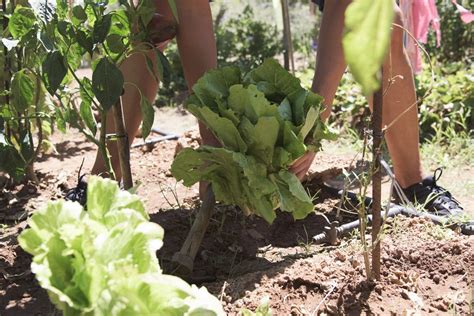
x,y
263,122
450,105
103,261
457,37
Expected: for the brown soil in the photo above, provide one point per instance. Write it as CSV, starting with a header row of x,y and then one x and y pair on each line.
x,y
425,267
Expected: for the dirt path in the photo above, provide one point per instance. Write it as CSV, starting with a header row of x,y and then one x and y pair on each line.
x,y
425,267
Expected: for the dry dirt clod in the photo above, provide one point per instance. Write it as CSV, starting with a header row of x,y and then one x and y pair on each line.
x,y
441,305
340,256
436,278
179,146
378,288
414,257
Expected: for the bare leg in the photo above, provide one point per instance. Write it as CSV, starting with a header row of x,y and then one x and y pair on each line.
x,y
402,138
197,47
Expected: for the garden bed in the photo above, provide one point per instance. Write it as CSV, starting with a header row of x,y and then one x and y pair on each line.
x,y
425,267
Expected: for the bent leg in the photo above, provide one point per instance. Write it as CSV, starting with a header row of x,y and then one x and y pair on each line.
x,y
403,137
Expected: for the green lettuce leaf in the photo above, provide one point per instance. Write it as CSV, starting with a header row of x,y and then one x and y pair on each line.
x,y
103,261
263,122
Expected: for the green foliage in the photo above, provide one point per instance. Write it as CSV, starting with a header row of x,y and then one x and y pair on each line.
x,y
457,37
246,42
448,109
366,40
263,121
262,310
103,261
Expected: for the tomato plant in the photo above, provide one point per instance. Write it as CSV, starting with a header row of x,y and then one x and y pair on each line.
x,y
44,45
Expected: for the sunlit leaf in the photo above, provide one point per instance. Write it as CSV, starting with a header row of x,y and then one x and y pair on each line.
x,y
366,40
23,90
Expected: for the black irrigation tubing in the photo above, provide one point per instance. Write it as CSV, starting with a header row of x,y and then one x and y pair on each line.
x,y
333,231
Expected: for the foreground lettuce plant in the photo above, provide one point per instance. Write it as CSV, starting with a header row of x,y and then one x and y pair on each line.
x,y
265,121
103,261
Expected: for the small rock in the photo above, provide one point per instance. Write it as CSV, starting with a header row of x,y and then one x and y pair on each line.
x,y
354,262
255,234
436,278
441,305
397,254
405,294
327,271
340,256
332,309
378,288
179,146
456,250
414,257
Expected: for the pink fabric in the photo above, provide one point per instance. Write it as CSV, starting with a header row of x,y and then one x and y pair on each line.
x,y
419,15
466,15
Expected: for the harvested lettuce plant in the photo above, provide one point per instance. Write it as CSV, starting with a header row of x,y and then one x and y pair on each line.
x,y
103,261
264,120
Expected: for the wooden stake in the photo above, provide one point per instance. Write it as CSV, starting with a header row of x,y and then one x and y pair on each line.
x,y
376,179
123,147
287,42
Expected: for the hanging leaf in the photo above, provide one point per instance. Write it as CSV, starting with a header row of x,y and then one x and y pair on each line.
x,y
10,160
54,71
85,41
79,15
174,9
148,114
115,44
366,40
107,83
85,112
101,29
163,66
23,90
21,22
150,67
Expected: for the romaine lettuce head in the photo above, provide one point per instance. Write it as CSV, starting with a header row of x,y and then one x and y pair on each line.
x,y
86,259
264,121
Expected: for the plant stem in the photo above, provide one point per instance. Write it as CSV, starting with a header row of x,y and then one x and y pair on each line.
x,y
376,180
123,147
103,144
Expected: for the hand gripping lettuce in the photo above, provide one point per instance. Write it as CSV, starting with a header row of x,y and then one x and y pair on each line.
x,y
264,121
103,261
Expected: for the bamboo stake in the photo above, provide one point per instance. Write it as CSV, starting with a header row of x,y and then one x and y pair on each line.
x,y
287,42
377,179
123,147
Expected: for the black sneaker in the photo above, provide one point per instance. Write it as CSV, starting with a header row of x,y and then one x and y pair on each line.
x,y
434,198
79,193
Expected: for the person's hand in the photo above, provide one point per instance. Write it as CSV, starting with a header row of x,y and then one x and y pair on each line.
x,y
301,166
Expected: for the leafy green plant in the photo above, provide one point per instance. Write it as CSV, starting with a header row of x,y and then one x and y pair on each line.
x,y
457,37
262,310
103,261
264,121
54,39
